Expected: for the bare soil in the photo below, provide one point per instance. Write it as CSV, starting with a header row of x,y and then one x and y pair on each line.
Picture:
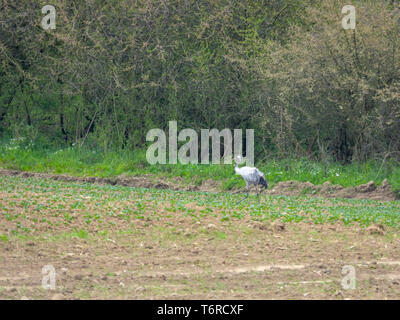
x,y
173,256
365,191
254,261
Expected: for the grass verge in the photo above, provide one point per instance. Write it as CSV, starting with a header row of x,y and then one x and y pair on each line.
x,y
83,162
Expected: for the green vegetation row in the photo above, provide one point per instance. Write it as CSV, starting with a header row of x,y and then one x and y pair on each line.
x,y
57,209
21,155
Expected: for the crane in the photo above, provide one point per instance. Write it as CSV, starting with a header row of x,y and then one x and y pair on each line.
x,y
252,177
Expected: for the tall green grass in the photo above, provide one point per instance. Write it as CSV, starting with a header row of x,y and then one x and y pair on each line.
x,y
17,154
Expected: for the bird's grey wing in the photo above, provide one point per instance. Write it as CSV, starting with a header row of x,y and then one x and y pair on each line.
x,y
254,176
260,173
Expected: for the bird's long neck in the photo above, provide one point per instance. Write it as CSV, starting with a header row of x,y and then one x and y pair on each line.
x,y
237,170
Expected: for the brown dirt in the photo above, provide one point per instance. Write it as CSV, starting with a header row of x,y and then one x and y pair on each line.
x,y
289,188
365,191
175,256
298,262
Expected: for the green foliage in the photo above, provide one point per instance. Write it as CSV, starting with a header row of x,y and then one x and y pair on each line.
x,y
334,92
108,205
3,238
84,162
112,70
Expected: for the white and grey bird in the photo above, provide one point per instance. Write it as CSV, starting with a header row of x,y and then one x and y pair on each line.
x,y
252,177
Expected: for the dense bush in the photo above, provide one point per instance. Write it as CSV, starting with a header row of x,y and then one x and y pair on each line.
x,y
112,70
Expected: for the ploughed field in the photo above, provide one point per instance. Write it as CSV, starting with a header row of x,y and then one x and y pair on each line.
x,y
116,242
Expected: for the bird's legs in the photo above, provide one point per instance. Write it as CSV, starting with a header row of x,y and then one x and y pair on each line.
x,y
247,195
